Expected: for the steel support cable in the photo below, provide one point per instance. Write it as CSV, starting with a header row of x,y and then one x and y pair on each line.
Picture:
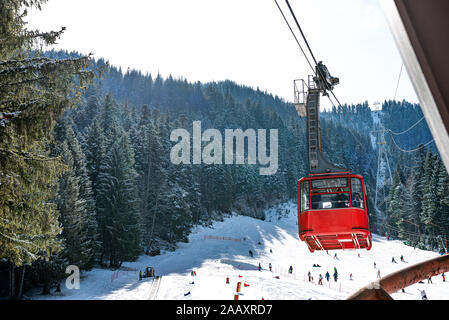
x,y
402,164
316,63
396,145
311,53
347,116
403,231
308,47
297,41
410,233
410,128
418,235
416,123
413,150
400,133
300,30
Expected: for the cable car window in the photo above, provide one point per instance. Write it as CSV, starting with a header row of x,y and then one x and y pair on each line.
x,y
357,193
330,193
330,200
341,199
316,201
330,184
304,196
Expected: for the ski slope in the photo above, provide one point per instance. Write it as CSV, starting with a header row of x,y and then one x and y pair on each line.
x,y
222,251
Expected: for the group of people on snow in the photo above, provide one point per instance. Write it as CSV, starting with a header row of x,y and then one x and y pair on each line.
x,y
327,276
336,275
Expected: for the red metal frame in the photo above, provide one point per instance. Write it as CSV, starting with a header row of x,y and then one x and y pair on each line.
x,y
334,228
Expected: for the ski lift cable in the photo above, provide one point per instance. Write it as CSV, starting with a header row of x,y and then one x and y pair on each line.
x,y
410,233
413,150
302,33
390,228
395,93
411,127
316,63
421,235
297,41
344,111
401,149
391,156
308,47
394,99
322,76
335,97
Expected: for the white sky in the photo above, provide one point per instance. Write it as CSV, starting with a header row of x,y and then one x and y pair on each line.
x,y
246,41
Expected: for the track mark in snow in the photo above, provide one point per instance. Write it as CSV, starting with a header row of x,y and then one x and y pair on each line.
x,y
155,288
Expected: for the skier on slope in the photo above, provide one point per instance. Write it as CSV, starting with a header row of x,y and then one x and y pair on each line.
x,y
290,270
423,294
320,280
269,266
327,275
335,276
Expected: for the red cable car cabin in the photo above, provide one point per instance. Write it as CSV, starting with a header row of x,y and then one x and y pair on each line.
x,y
332,212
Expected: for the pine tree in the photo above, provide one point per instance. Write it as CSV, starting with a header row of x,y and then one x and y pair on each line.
x,y
442,218
35,91
117,193
410,227
418,185
429,203
118,205
72,212
94,147
152,173
88,109
78,164
395,213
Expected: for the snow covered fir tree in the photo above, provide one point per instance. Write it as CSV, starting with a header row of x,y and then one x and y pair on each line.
x,y
86,177
35,91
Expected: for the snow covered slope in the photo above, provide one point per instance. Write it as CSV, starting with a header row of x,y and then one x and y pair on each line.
x,y
222,252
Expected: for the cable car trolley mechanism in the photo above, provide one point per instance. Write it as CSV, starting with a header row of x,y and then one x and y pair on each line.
x,y
332,206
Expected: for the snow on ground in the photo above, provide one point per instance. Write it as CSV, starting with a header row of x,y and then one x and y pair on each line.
x,y
222,251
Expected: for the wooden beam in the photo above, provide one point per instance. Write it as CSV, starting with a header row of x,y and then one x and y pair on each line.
x,y
382,288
